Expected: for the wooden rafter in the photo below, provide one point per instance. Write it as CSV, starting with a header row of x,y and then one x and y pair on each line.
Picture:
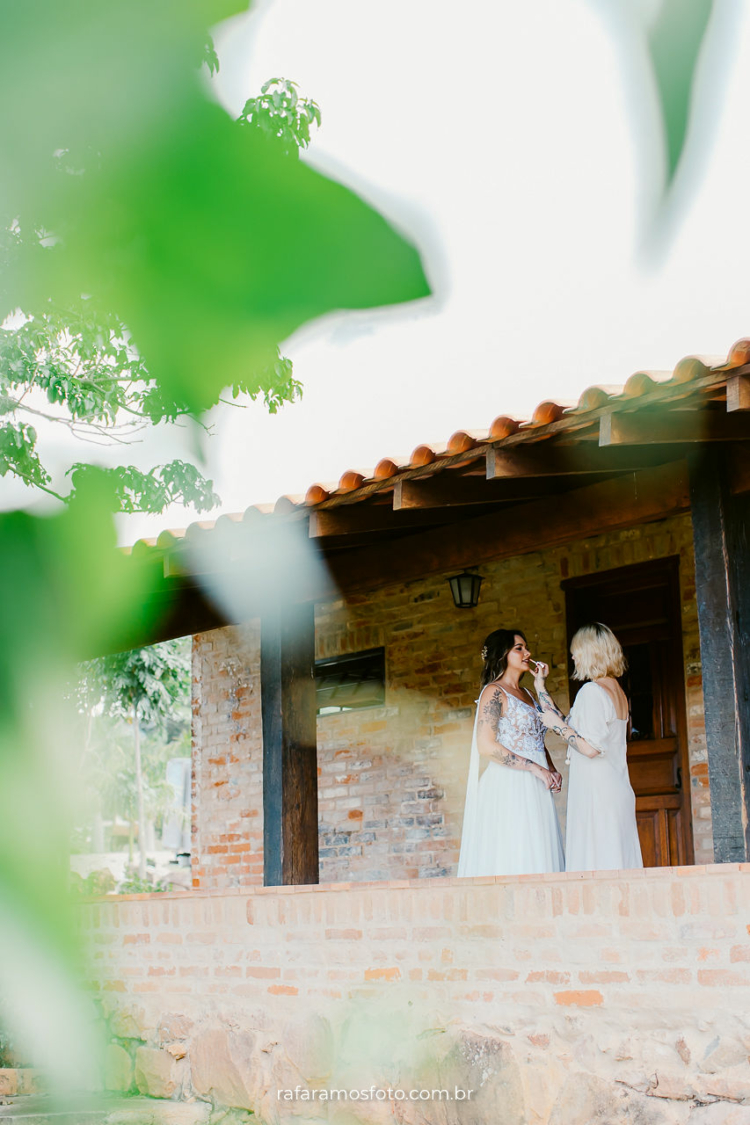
x,y
621,502
446,490
680,427
362,519
554,460
738,393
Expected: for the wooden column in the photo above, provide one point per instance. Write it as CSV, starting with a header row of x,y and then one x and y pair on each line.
x,y
290,781
722,569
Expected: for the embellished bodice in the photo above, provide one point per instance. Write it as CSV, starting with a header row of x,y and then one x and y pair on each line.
x,y
521,731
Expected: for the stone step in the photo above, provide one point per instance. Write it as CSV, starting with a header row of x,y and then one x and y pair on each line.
x,y
101,1109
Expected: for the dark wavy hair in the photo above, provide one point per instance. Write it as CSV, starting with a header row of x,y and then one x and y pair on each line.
x,y
495,653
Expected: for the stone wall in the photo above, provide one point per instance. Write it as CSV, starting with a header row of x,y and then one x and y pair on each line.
x,y
558,1000
392,778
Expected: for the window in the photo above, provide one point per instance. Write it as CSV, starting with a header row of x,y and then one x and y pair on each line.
x,y
350,683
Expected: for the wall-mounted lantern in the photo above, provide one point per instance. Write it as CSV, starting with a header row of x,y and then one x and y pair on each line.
x,y
465,589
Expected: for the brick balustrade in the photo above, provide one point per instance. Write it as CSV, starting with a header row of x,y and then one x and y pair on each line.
x,y
623,985
678,938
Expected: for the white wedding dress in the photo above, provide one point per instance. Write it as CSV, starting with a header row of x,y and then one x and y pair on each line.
x,y
601,830
510,821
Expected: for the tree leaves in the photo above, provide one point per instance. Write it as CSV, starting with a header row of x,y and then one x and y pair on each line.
x,y
153,679
280,113
206,240
132,490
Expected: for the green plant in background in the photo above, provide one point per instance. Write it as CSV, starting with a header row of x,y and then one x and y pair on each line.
x,y
109,780
145,687
279,112
135,884
75,365
96,883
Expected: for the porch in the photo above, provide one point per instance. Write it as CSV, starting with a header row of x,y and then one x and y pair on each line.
x,y
555,998
631,507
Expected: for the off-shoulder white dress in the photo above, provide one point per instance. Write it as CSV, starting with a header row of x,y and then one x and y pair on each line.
x,y
510,820
601,832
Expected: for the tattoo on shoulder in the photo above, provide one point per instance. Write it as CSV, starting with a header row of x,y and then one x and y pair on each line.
x,y
492,709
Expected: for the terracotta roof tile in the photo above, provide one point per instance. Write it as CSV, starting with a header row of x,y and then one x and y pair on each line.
x,y
385,468
642,385
739,353
463,440
503,427
350,480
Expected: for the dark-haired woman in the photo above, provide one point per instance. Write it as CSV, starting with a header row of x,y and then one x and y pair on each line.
x,y
510,821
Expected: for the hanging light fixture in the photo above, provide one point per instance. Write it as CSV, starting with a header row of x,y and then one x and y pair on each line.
x,y
465,589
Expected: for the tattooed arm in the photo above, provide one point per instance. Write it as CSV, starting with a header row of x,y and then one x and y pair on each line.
x,y
553,718
545,702
491,703
574,740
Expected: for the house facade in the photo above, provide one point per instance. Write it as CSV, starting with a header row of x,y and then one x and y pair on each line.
x,y
326,940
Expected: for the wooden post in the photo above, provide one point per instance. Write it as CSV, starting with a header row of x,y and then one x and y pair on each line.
x,y
290,781
722,570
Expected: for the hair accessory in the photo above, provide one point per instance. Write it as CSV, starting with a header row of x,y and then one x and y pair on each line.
x,y
484,653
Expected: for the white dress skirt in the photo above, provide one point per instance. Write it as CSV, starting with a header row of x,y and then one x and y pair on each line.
x,y
601,832
510,820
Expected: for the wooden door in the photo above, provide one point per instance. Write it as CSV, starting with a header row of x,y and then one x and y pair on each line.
x,y
641,605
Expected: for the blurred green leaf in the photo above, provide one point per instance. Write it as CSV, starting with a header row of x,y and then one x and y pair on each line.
x,y
132,199
67,593
674,43
208,241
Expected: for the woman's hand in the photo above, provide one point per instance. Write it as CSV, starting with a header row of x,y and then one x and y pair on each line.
x,y
546,777
558,781
540,673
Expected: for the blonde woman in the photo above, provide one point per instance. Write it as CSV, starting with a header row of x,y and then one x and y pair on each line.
x,y
601,827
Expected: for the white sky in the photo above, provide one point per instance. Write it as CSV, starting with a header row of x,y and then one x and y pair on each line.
x,y
506,137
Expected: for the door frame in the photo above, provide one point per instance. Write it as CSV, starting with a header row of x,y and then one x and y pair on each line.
x,y
668,568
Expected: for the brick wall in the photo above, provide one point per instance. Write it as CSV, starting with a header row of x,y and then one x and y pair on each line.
x,y
565,998
392,778
227,781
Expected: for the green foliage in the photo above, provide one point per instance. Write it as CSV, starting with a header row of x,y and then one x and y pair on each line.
x,y
77,366
154,252
158,679
279,112
212,246
152,680
96,883
135,491
7,1049
133,884
674,43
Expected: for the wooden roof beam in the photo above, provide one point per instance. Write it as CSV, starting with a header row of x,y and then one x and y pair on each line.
x,y
548,460
622,502
358,519
738,392
679,427
447,490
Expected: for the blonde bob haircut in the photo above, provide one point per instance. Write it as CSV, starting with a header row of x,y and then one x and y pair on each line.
x,y
596,652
